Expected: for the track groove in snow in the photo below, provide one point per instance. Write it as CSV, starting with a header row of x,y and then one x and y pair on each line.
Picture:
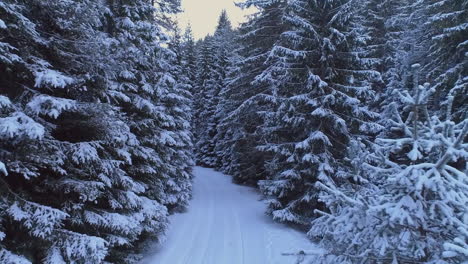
x,y
225,224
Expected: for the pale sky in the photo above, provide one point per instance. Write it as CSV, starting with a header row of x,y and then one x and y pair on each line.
x,y
203,15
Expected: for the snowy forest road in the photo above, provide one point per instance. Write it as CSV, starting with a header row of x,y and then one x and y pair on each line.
x,y
226,224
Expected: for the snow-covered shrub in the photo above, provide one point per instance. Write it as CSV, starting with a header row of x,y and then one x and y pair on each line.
x,y
411,204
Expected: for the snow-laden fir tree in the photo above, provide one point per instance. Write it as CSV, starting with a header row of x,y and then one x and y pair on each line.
x,y
83,180
243,98
385,22
319,85
178,104
215,60
48,50
203,95
156,106
189,56
405,44
176,135
410,205
226,55
447,67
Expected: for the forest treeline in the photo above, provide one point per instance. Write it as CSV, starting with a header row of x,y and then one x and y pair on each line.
x,y
348,115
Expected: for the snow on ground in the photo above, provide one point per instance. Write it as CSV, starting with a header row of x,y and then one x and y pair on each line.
x,y
225,224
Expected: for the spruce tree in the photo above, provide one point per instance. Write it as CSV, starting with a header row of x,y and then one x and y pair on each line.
x,y
244,97
411,203
447,67
203,103
216,59
384,25
189,57
407,44
319,85
94,127
179,106
157,106
49,130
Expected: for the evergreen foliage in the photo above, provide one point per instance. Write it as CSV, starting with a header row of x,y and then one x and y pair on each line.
x,y
318,103
315,110
447,67
213,68
320,85
95,138
244,97
411,204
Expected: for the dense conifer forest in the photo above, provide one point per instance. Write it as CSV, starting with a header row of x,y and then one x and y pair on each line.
x,y
349,116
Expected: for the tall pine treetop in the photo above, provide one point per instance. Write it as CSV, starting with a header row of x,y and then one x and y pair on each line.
x,y
224,23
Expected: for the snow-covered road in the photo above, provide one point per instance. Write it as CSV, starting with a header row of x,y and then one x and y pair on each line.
x,y
225,224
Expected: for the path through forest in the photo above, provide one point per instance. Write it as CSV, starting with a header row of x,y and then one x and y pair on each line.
x,y
226,224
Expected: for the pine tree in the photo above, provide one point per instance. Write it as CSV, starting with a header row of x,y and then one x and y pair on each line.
x,y
156,104
319,85
411,205
407,44
204,105
179,104
447,26
94,127
385,22
189,56
49,130
243,97
216,56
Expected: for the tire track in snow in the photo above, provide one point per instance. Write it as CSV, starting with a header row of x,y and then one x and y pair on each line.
x,y
180,230
225,237
234,236
225,224
202,247
201,228
239,227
